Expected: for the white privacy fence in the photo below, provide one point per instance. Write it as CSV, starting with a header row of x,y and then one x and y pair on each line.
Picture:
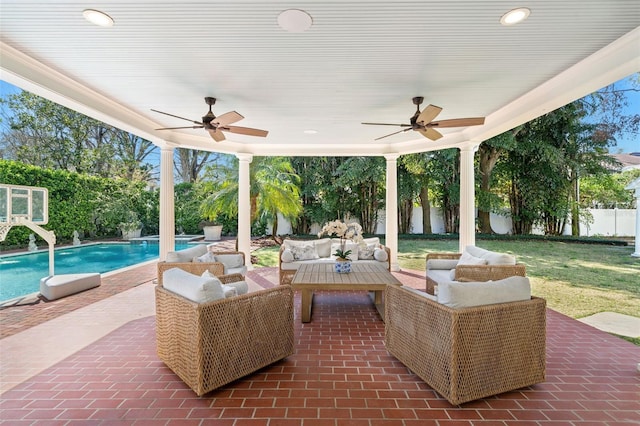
x,y
605,222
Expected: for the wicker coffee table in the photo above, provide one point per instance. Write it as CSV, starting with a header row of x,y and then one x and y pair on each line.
x,y
368,277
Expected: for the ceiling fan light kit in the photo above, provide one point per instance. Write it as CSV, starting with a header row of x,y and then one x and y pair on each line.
x,y
422,122
216,125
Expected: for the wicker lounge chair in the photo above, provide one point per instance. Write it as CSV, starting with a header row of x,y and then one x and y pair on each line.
x,y
468,353
211,344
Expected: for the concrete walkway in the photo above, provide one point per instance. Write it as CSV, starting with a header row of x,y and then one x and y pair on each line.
x,y
611,322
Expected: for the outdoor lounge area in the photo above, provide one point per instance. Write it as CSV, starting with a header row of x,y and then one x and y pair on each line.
x,y
91,358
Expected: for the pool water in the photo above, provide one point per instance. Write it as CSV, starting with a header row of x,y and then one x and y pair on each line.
x,y
20,274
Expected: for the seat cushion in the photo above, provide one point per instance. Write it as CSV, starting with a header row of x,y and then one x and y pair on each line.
x,y
466,294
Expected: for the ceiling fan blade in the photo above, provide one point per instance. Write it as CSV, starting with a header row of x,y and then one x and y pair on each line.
x,y
228,118
391,134
430,133
246,131
176,128
428,114
388,124
177,116
216,134
458,122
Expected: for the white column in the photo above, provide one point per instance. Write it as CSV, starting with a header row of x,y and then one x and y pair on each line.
x,y
244,207
167,203
467,197
637,252
391,224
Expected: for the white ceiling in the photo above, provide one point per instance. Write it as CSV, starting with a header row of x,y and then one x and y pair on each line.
x,y
360,61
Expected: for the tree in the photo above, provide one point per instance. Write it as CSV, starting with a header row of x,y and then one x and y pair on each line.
x,y
419,168
42,133
274,189
446,184
489,152
190,163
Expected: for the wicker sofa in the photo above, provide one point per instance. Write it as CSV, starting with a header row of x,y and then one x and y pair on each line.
x,y
319,251
211,344
474,264
467,353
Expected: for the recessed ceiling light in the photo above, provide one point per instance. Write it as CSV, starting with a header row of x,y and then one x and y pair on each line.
x,y
295,20
310,132
515,16
96,17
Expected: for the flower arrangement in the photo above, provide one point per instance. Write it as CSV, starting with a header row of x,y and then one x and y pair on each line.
x,y
344,231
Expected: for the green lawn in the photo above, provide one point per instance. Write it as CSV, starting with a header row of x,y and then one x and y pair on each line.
x,y
576,279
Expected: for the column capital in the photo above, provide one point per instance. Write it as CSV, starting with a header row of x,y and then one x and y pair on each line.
x,y
469,147
391,157
244,156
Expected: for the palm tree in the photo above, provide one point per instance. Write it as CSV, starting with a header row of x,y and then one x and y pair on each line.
x,y
274,189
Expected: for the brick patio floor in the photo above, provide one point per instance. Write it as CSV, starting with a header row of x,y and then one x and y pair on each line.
x,y
339,375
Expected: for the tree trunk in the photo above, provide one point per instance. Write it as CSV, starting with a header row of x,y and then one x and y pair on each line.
x,y
405,211
488,157
426,210
575,204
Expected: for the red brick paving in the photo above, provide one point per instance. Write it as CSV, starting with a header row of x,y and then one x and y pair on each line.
x,y
339,375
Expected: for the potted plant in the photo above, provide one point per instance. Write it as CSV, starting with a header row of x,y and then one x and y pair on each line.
x,y
132,228
346,232
212,230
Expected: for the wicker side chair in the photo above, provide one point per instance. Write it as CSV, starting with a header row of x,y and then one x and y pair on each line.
x,y
195,268
211,344
467,353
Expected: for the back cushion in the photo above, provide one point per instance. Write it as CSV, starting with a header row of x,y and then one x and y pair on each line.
x,y
491,257
195,288
467,294
186,255
323,247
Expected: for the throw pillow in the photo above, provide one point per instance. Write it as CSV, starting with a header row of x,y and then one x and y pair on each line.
x,y
192,287
467,294
205,258
287,256
366,252
468,259
229,291
304,252
380,255
240,287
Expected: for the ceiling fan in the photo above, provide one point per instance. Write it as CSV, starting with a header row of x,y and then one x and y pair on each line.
x,y
423,121
216,125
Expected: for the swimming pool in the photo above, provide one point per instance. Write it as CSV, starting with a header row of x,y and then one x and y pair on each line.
x,y
20,274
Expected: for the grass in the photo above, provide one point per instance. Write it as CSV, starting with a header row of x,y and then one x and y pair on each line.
x,y
577,280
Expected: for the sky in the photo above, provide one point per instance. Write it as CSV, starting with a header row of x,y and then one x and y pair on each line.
x,y
625,143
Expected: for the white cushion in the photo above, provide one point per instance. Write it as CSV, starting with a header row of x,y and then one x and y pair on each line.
x,y
353,256
304,252
287,256
192,287
230,260
242,270
323,247
491,257
366,252
205,258
240,287
229,291
469,259
373,240
380,255
467,294
186,255
441,263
